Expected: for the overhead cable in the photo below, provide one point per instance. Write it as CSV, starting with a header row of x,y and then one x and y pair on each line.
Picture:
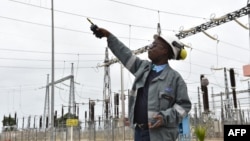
x,y
70,13
155,10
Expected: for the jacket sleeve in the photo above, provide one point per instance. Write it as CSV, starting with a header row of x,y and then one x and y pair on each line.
x,y
124,54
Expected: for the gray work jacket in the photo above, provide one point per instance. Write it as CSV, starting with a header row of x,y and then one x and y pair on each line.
x,y
167,93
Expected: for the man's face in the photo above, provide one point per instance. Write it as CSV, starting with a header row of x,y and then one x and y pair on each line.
x,y
158,52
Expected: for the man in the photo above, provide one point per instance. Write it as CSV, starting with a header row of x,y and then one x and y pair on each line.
x,y
157,87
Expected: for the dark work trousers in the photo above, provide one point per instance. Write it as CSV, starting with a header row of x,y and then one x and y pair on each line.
x,y
141,134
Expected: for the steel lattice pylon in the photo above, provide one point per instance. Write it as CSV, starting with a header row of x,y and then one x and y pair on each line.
x,y
107,99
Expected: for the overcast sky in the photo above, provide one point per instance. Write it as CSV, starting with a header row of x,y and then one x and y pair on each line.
x,y
25,47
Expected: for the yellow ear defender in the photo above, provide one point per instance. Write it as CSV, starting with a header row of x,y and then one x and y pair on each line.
x,y
183,54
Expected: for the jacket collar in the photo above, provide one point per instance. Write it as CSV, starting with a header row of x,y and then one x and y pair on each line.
x,y
164,73
158,68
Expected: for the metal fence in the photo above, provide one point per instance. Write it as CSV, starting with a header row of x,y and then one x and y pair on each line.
x,y
91,132
111,130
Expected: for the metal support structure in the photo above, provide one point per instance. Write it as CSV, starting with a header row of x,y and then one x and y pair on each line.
x,y
71,100
60,80
46,112
52,73
194,30
72,93
107,98
214,22
212,90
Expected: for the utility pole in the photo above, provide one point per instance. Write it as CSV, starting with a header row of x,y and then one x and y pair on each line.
x,y
52,73
72,93
46,112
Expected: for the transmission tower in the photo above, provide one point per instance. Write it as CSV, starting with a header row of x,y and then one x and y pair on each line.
x,y
71,106
107,96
